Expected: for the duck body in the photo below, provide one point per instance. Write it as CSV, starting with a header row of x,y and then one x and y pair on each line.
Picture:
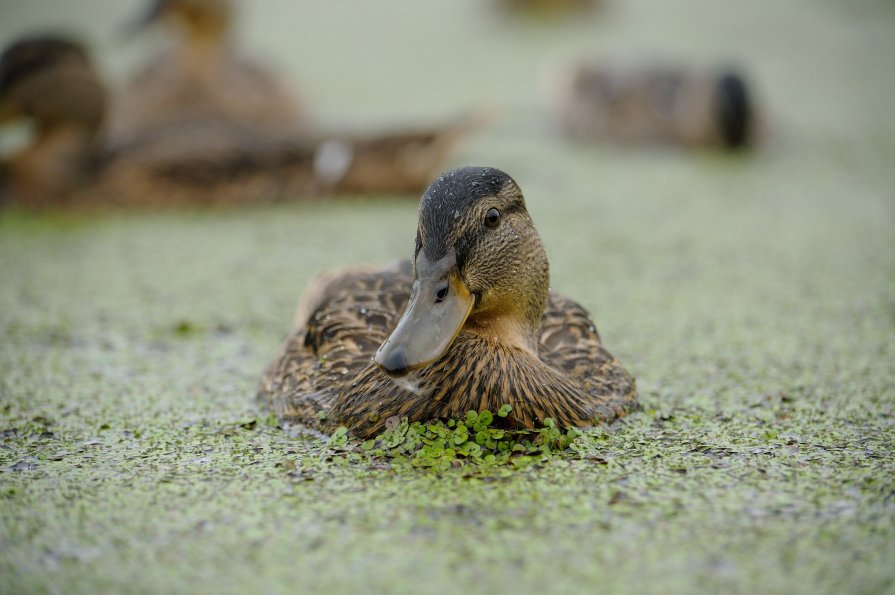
x,y
201,74
213,162
488,333
648,102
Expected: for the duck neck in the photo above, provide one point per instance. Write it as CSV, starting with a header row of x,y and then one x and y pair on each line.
x,y
208,26
509,312
205,38
507,330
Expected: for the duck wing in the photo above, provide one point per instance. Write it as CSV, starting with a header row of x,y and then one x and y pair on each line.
x,y
344,318
570,344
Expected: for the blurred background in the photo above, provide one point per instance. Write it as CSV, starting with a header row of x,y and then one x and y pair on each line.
x,y
810,65
815,70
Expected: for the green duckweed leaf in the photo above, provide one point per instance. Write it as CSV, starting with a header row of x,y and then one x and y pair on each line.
x,y
442,444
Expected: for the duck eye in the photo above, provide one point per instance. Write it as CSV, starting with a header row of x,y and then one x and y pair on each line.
x,y
492,218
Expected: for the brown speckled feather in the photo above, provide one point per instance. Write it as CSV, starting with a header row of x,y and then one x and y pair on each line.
x,y
325,367
349,316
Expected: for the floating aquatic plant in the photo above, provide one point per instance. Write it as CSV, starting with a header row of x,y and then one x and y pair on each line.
x,y
471,440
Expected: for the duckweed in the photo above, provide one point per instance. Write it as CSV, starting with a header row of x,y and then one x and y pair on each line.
x,y
442,445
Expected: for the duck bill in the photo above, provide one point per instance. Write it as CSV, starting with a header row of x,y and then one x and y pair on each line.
x,y
439,305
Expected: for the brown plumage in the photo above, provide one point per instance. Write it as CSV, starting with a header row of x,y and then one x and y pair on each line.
x,y
199,159
213,162
202,74
650,102
480,328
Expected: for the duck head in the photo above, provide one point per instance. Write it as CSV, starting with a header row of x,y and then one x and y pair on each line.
x,y
732,108
478,264
51,80
200,19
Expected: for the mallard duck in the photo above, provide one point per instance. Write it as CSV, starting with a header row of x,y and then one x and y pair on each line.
x,y
470,324
204,160
202,74
652,102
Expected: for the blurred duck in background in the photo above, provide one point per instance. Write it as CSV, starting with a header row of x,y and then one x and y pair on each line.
x,y
547,8
656,103
204,159
201,73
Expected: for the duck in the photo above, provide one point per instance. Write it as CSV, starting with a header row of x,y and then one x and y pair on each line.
x,y
72,161
469,323
655,102
201,73
548,8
